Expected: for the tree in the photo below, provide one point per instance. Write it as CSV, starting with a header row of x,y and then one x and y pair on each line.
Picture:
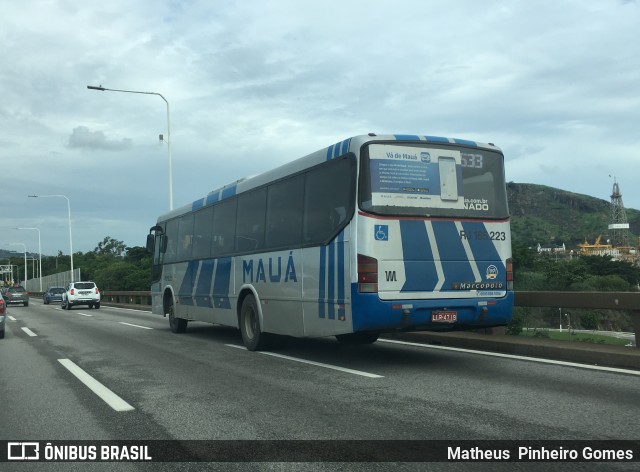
x,y
110,247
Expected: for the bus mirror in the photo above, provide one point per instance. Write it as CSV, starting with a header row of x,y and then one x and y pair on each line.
x,y
151,242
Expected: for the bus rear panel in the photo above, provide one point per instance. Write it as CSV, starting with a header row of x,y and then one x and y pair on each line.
x,y
433,238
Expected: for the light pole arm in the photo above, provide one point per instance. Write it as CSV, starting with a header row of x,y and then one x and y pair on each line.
x,y
104,89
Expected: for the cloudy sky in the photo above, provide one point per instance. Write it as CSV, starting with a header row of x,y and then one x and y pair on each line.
x,y
254,84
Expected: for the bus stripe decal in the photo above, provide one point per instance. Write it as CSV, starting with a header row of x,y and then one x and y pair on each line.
x,y
469,253
345,146
222,283
185,294
203,285
330,152
483,249
437,139
212,198
228,192
450,249
331,270
197,204
338,149
420,271
465,142
323,250
437,260
407,137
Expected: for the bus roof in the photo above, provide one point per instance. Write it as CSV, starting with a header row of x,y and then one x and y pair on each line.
x,y
331,152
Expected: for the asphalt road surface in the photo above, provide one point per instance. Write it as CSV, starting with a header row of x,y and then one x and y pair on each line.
x,y
118,374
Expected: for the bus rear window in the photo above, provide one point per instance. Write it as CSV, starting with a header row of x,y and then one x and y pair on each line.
x,y
432,180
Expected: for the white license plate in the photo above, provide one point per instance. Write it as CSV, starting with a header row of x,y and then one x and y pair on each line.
x,y
444,316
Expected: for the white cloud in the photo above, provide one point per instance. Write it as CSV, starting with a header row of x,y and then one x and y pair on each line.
x,y
83,137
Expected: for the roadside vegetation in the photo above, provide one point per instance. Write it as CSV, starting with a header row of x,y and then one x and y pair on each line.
x,y
112,265
573,336
540,272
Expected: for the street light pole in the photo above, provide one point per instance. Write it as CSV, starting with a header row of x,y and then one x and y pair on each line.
x,y
560,309
39,255
104,89
25,259
69,217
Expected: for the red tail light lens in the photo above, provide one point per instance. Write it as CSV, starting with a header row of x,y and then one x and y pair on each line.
x,y
72,291
509,268
97,291
367,274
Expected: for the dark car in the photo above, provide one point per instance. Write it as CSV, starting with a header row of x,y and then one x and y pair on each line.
x,y
16,294
53,294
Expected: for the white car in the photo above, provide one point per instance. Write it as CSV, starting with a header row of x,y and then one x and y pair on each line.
x,y
81,293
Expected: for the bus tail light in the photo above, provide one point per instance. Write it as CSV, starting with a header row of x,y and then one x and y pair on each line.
x,y
367,274
509,267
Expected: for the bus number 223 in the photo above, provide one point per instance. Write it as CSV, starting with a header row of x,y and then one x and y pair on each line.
x,y
493,235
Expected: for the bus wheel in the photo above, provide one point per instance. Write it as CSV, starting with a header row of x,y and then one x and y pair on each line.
x,y
362,337
254,339
177,325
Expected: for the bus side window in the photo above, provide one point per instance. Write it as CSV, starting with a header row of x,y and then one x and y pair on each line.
x,y
329,199
251,220
202,229
224,228
185,237
284,212
172,241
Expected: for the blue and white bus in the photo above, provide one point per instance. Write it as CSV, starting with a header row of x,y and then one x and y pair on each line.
x,y
373,234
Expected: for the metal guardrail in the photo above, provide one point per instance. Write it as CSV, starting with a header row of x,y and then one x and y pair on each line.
x,y
598,300
130,299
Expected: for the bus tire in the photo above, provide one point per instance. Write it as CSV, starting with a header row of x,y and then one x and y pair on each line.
x,y
177,325
252,336
362,337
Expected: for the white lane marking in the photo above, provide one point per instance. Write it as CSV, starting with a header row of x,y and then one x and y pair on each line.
x,y
29,332
318,364
512,356
12,318
110,398
82,314
134,325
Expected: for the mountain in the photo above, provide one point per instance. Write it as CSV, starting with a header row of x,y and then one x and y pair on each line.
x,y
547,215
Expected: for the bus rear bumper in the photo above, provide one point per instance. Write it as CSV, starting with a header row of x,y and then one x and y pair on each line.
x,y
369,313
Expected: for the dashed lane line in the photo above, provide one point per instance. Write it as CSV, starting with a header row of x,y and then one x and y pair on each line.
x,y
110,398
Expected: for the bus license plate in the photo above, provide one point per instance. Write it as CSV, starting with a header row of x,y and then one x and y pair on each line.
x,y
444,316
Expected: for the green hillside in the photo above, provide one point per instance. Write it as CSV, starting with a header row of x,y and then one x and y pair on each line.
x,y
546,215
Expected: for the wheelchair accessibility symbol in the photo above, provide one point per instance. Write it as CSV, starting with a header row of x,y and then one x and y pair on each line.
x,y
381,232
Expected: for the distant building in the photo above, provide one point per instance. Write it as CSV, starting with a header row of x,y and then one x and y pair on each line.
x,y
552,248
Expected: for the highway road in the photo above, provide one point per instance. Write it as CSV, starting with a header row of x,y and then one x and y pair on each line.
x,y
148,383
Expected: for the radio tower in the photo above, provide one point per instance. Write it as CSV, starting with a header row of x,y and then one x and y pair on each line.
x,y
619,226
